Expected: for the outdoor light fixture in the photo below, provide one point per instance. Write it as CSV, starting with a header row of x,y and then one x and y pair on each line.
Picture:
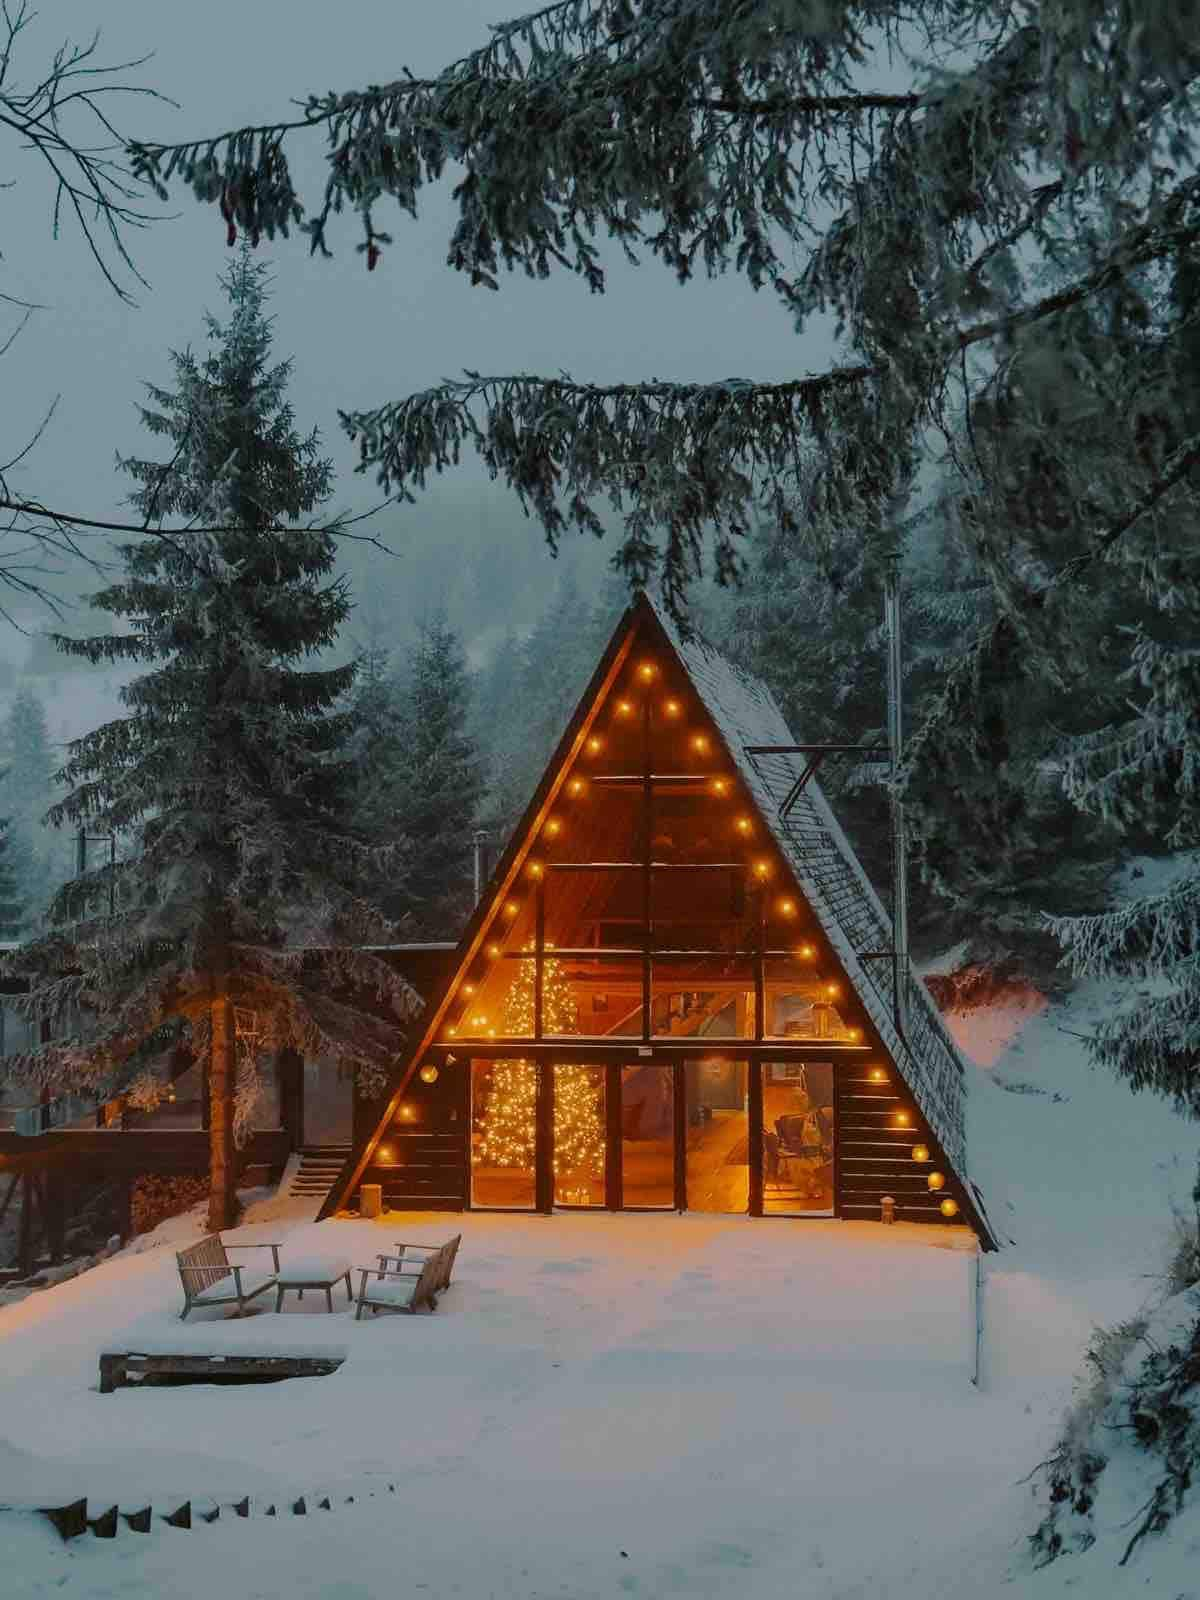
x,y
386,1155
468,988
762,869
855,1035
744,825
595,745
720,786
807,952
535,869
787,908
920,1152
831,989
576,786
672,707
493,951
624,708
878,1075
406,1113
936,1181
647,671
429,1073
700,743
949,1208
553,828
511,908
902,1119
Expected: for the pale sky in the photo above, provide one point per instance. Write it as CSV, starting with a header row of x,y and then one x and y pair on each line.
x,y
356,340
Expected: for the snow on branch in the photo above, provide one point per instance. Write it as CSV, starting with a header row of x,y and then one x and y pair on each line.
x,y
694,460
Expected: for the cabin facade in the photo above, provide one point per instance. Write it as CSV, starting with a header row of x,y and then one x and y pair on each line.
x,y
676,992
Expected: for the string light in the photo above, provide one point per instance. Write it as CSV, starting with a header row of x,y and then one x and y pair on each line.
x,y
493,950
948,1207
511,908
624,708
429,1073
468,988
553,828
579,1131
762,869
535,869
744,826
647,672
700,744
936,1181
855,1035
920,1152
878,1075
787,908
902,1119
720,786
832,990
807,952
576,786
506,1126
595,744
672,707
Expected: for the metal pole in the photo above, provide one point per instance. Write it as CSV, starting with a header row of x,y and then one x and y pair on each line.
x,y
480,843
895,725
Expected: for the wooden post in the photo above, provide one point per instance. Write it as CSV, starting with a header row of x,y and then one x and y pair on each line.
x,y
612,1154
543,1150
25,1238
754,1116
679,1102
222,1199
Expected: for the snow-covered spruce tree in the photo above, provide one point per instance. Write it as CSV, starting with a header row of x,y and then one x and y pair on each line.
x,y
13,909
438,786
245,890
27,790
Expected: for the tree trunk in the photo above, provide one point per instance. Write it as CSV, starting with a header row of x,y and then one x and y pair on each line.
x,y
222,1070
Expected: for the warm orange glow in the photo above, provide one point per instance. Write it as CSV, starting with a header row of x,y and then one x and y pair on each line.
x,y
468,988
535,869
647,672
453,1032
493,951
878,1075
700,743
949,1208
762,869
787,908
672,707
595,745
807,952
406,1113
576,786
744,825
479,1021
511,908
936,1181
491,1033
720,786
624,708
902,1119
855,1035
386,1154
553,828
832,990
920,1152
429,1073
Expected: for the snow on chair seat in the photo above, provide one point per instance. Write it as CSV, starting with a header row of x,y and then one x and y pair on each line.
x,y
209,1278
398,1283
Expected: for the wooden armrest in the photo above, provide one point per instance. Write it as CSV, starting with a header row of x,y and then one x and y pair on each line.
x,y
273,1248
403,1247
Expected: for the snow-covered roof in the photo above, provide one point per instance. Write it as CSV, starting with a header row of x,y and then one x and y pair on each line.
x,y
833,882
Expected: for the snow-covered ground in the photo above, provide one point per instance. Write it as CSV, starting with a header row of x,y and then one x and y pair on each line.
x,y
632,1405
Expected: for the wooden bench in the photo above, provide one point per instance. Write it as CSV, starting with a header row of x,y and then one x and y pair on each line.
x,y
116,1367
408,1284
209,1279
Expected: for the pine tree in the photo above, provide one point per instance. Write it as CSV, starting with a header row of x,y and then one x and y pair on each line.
x,y
27,790
244,893
439,785
12,902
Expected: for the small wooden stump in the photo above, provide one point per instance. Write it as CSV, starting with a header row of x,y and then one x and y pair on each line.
x,y
70,1520
139,1521
105,1525
182,1518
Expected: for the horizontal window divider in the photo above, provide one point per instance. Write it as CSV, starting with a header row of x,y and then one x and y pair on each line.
x,y
614,779
627,1048
637,866
701,955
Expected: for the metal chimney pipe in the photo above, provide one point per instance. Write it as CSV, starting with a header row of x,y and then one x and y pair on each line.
x,y
480,843
895,730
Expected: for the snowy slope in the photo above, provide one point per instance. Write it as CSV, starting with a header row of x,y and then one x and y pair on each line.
x,y
640,1405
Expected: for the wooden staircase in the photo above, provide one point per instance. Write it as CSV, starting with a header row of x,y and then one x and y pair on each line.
x,y
318,1169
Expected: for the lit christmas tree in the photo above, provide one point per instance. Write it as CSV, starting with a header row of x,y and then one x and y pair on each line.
x,y
579,1134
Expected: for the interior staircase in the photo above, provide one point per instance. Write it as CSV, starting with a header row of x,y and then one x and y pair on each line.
x,y
314,1173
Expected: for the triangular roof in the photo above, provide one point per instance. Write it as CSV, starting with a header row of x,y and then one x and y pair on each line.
x,y
827,875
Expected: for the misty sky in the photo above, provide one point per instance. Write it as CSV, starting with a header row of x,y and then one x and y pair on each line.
x,y
356,340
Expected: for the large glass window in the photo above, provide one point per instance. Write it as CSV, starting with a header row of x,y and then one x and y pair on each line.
x,y
702,908
708,997
504,1134
718,1137
804,1003
580,1135
648,1136
797,1135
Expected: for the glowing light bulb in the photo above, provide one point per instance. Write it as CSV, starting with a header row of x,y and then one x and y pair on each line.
x,y
936,1181
553,828
624,708
647,672
831,989
479,1022
855,1035
576,786
493,951
511,908
744,825
453,1032
902,1119
787,908
535,869
700,744
948,1207
672,707
807,952
429,1073
920,1152
878,1075
720,786
595,745
762,869
468,988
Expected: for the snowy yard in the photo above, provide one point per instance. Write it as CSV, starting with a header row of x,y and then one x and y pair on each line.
x,y
619,1405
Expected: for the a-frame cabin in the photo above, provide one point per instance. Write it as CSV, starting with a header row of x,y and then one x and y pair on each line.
x,y
671,995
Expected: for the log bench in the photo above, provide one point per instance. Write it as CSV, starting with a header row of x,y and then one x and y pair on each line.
x,y
116,1367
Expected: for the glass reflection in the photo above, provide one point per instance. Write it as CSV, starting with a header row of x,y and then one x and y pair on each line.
x,y
647,1136
797,1136
580,1135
